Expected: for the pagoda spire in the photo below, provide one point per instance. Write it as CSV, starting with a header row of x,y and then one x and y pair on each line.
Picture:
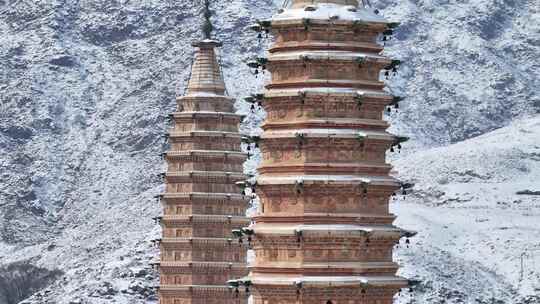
x,y
206,77
201,203
207,23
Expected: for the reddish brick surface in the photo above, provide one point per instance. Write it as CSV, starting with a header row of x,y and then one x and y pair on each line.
x,y
201,203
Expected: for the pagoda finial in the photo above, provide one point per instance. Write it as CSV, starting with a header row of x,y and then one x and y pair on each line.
x,y
206,77
207,26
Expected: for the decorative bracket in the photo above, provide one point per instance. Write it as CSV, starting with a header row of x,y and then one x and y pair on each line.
x,y
261,26
157,219
362,139
255,99
395,103
392,25
299,187
359,98
305,59
302,94
258,63
249,232
301,138
158,197
387,35
235,284
251,140
299,235
405,187
156,242
299,286
398,140
247,184
393,66
307,23
361,60
364,186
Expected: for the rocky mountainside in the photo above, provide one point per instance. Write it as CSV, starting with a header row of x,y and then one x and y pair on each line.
x,y
476,205
85,88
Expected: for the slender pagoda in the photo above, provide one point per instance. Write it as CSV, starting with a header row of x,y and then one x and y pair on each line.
x,y
324,233
201,203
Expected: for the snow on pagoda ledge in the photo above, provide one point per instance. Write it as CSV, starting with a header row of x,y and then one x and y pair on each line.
x,y
324,10
207,43
333,229
325,281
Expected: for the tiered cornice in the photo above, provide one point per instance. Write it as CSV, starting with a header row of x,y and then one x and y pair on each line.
x,y
324,233
201,202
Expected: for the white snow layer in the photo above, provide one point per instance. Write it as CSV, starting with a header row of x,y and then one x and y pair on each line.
x,y
325,11
476,205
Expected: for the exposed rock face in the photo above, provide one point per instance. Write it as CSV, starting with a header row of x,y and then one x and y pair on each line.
x,y
85,87
20,280
472,66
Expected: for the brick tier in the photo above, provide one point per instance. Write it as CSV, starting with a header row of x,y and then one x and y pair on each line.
x,y
201,203
323,232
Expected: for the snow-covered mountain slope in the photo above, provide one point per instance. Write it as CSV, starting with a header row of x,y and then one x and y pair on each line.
x,y
471,66
85,87
476,205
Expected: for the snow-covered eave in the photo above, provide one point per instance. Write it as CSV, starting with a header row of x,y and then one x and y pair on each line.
x,y
361,57
297,22
331,133
322,215
335,165
318,216
203,195
206,153
184,288
203,218
205,113
196,240
209,174
207,43
335,121
330,12
329,179
205,134
355,266
325,82
325,281
271,93
202,264
193,95
335,230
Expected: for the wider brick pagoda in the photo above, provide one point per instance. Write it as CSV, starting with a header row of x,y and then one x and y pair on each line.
x,y
201,203
324,233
